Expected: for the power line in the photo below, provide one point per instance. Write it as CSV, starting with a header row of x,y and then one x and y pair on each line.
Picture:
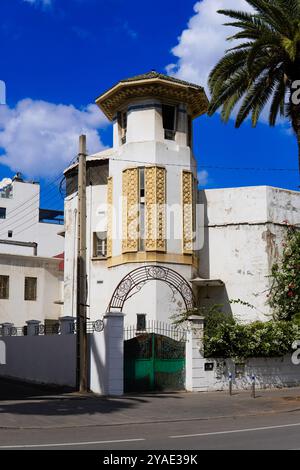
x,y
59,175
16,211
210,167
178,165
203,166
24,212
33,218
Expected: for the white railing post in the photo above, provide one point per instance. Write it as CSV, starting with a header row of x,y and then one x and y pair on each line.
x,y
107,356
33,327
6,328
67,325
195,376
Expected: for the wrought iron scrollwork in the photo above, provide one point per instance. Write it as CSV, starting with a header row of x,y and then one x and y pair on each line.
x,y
95,326
41,329
98,326
134,281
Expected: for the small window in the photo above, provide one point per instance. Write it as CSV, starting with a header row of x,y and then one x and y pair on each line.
x,y
169,121
10,234
100,245
2,212
4,287
141,322
142,182
122,120
30,288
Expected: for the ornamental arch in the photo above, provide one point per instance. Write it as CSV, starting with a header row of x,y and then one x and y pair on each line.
x,y
133,282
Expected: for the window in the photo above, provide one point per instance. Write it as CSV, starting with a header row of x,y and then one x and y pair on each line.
x,y
122,120
100,245
10,234
142,209
169,121
4,287
141,322
30,288
2,212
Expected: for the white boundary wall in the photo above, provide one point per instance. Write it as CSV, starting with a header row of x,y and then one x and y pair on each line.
x,y
51,359
41,359
268,372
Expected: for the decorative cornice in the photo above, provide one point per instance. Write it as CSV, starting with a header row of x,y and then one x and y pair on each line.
x,y
109,217
187,211
161,88
148,257
155,184
130,210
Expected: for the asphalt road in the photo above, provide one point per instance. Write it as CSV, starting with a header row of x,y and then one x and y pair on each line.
x,y
36,418
271,432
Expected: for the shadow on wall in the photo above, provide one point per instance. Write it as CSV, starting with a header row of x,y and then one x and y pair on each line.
x,y
212,296
204,270
209,296
95,361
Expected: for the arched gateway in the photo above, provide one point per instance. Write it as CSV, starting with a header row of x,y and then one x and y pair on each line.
x,y
136,279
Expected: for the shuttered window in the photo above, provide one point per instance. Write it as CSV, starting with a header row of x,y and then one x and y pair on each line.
x,y
4,287
30,288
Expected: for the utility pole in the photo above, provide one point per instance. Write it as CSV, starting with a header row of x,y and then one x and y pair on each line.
x,y
81,366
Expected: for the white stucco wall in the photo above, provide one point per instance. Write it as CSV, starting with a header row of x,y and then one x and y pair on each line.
x,y
51,359
41,359
22,217
16,310
268,372
145,146
244,231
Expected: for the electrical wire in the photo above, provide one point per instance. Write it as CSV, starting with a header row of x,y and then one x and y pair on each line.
x,y
32,218
37,196
24,212
17,210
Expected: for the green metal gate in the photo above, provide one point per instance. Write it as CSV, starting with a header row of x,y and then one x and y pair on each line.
x,y
154,359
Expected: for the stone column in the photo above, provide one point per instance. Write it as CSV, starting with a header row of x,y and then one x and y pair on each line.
x,y
67,325
107,356
195,375
33,327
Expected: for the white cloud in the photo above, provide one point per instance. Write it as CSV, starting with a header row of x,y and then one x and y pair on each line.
x,y
5,182
43,3
203,43
203,178
40,138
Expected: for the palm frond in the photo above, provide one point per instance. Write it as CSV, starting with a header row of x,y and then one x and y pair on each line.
x,y
262,66
278,101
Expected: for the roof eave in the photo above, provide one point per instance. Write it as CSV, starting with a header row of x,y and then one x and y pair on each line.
x,y
148,81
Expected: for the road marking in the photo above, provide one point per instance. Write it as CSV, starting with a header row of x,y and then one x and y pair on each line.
x,y
236,431
69,444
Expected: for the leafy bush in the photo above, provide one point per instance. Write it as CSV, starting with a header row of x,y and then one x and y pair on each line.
x,y
285,291
259,339
225,337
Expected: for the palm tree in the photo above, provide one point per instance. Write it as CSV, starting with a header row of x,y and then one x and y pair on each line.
x,y
264,66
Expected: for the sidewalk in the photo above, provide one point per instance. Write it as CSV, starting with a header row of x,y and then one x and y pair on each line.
x,y
34,411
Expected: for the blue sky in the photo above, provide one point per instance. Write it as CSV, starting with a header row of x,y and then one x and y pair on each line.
x,y
58,55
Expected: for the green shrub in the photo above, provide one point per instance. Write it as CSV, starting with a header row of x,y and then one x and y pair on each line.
x,y
259,339
285,291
